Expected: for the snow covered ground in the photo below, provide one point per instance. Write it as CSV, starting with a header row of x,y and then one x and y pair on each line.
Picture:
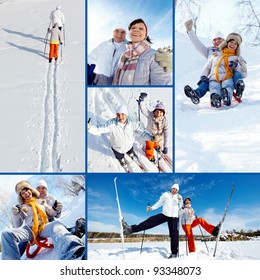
x,y
209,139
237,250
42,105
102,104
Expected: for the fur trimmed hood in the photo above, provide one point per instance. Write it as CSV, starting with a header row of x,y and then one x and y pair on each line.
x,y
232,36
22,185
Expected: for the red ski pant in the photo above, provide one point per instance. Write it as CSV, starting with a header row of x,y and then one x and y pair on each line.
x,y
54,50
149,148
188,231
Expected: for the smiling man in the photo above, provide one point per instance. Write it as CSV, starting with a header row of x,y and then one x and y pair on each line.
x,y
106,55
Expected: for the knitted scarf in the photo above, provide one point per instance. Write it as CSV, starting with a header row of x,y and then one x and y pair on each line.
x,y
127,64
158,125
229,71
37,228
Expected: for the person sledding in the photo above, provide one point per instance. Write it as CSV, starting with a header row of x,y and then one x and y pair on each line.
x,y
219,71
31,221
55,41
189,221
121,130
207,51
157,124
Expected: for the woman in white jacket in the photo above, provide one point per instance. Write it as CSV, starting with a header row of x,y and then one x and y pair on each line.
x,y
122,131
189,221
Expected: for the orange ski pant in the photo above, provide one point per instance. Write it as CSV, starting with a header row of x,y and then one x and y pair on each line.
x,y
54,50
149,148
188,231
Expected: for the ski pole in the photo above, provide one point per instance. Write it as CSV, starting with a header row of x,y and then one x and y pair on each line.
x,y
64,33
143,237
61,52
45,40
203,238
186,240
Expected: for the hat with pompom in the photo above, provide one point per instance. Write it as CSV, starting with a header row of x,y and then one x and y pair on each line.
x,y
25,185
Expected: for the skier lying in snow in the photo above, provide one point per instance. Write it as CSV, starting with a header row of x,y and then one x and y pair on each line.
x,y
121,131
171,202
219,71
207,52
157,124
31,221
189,221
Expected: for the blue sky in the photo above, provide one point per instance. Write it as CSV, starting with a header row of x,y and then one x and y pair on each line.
x,y
104,14
209,193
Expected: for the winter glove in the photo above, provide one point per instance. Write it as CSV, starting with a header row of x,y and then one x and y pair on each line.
x,y
233,64
243,65
142,96
48,30
16,209
61,43
203,79
188,24
89,123
164,58
148,209
165,150
57,206
91,74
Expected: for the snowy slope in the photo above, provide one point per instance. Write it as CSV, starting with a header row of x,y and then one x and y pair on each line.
x,y
102,104
42,105
209,139
239,250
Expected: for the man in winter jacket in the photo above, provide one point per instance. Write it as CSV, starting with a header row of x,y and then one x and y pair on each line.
x,y
121,132
31,221
106,55
171,202
57,16
207,52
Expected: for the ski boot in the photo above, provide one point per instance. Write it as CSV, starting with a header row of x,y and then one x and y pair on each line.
x,y
215,230
172,256
215,100
133,156
123,162
126,228
152,159
50,60
192,94
240,86
225,96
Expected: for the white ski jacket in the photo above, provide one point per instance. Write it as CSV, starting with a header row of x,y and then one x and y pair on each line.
x,y
57,16
121,136
170,203
105,56
201,48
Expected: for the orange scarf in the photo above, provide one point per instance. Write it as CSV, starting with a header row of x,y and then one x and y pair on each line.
x,y
36,209
229,71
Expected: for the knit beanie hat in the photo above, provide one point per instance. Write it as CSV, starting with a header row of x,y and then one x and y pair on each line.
x,y
217,34
22,185
175,186
122,109
160,106
119,25
187,198
232,36
42,183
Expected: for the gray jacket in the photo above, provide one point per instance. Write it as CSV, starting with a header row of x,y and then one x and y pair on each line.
x,y
148,72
